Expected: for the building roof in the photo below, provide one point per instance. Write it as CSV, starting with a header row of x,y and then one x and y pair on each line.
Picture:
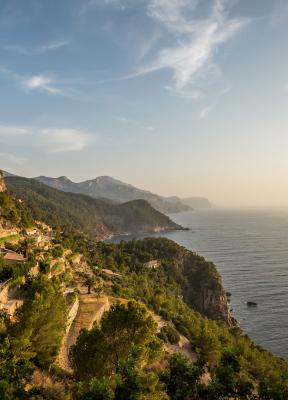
x,y
152,264
12,256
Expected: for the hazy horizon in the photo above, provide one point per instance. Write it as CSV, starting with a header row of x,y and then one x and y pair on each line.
x,y
178,97
214,205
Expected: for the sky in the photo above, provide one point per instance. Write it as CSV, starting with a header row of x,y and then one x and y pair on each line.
x,y
180,97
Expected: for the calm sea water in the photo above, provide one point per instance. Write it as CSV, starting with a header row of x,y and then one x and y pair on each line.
x,y
250,250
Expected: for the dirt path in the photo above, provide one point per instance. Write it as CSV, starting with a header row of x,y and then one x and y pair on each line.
x,y
183,346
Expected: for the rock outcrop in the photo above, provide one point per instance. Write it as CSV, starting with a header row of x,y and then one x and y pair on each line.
x,y
2,182
215,304
204,290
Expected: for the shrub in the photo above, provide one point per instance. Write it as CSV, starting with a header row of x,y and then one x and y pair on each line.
x,y
169,334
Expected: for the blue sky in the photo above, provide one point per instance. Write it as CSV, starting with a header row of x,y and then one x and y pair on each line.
x,y
179,97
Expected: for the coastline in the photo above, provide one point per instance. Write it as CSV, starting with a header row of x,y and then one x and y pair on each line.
x,y
111,236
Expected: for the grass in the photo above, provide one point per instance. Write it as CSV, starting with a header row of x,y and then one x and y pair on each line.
x,y
9,238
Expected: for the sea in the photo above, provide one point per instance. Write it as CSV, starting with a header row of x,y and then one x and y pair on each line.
x,y
250,250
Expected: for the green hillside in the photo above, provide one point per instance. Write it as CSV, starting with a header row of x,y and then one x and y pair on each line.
x,y
139,320
97,218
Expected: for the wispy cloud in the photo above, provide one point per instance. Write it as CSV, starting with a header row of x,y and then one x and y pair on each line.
x,y
135,123
194,94
36,50
65,140
197,41
52,140
124,120
203,113
10,130
12,158
41,83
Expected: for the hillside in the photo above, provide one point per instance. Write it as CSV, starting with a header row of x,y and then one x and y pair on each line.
x,y
115,190
97,218
163,328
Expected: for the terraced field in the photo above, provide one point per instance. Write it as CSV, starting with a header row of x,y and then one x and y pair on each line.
x,y
90,310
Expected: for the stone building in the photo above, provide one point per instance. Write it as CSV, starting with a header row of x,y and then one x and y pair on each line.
x,y
153,264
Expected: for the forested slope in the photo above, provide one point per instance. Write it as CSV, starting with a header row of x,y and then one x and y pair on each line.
x,y
158,292
97,218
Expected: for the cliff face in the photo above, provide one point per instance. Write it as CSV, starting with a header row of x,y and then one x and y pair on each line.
x,y
2,183
214,304
204,289
197,279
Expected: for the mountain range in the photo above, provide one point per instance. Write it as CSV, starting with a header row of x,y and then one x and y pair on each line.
x,y
116,191
112,189
98,218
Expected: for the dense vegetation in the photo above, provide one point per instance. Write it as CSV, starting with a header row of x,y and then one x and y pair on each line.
x,y
226,352
125,356
13,212
8,210
98,218
33,338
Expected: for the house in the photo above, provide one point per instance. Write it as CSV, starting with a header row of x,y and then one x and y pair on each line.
x,y
31,231
153,264
11,257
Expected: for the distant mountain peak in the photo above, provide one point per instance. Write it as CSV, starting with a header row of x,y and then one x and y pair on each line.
x,y
64,178
107,187
108,179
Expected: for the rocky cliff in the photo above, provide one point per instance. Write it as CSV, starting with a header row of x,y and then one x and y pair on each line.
x,y
214,304
197,279
204,289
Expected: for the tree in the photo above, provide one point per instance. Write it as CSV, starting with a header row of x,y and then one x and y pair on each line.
x,y
41,321
207,343
90,282
181,378
228,381
169,334
125,328
96,389
15,370
134,382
